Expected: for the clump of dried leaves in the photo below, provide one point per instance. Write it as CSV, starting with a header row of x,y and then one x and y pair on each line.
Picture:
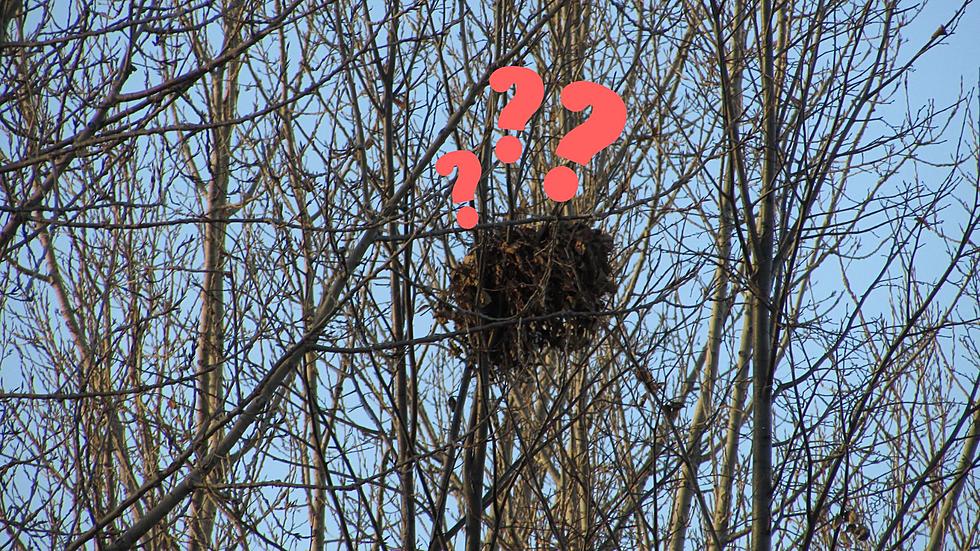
x,y
550,278
848,530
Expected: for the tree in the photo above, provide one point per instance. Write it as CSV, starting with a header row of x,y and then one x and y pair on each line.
x,y
225,250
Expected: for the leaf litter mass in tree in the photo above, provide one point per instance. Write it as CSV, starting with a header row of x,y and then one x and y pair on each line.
x,y
548,282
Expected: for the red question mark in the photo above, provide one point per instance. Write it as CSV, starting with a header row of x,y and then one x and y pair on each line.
x,y
602,128
464,189
527,98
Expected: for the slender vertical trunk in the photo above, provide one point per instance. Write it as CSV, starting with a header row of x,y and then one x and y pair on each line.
x,y
319,505
475,458
761,281
571,37
210,347
404,408
731,66
726,476
578,481
965,464
514,509
211,338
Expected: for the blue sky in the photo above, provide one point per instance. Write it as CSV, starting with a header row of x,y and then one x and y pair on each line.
x,y
937,77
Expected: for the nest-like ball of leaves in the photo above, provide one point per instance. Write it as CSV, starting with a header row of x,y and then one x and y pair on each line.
x,y
545,282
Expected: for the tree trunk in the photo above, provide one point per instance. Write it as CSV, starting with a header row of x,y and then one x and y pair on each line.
x,y
211,341
966,463
761,278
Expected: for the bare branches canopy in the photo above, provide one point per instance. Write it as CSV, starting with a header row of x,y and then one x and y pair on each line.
x,y
224,245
